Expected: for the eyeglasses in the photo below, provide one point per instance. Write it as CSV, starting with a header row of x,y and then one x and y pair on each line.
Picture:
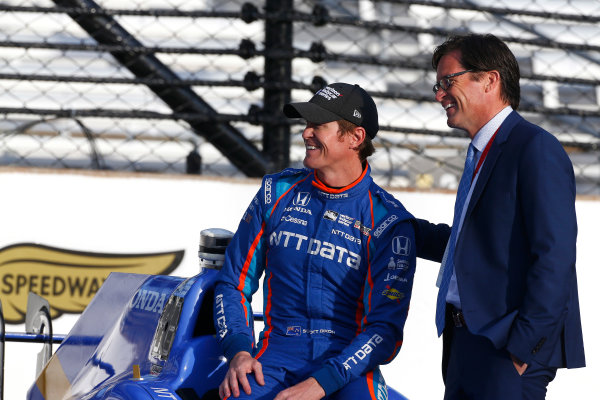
x,y
446,81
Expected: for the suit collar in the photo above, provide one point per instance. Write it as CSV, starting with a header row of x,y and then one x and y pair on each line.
x,y
509,123
488,130
495,151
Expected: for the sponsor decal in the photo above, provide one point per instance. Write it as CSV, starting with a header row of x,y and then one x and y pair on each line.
x,y
268,183
397,264
293,331
346,236
69,279
365,350
149,300
333,196
345,220
155,370
163,393
384,196
330,215
319,331
356,114
329,93
298,331
401,245
294,220
185,286
253,203
391,263
395,278
298,209
317,247
382,393
247,217
384,225
393,294
302,199
220,316
363,229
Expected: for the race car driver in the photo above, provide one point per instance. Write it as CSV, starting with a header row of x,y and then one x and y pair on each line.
x,y
338,257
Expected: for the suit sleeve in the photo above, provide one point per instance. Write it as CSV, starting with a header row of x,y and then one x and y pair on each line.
x,y
431,239
547,198
386,299
238,280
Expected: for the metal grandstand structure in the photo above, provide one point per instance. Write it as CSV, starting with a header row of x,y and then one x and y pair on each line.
x,y
197,86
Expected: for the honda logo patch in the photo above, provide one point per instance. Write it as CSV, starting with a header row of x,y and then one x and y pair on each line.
x,y
401,245
302,199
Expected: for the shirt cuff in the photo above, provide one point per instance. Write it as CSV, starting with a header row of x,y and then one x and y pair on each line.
x,y
234,344
329,379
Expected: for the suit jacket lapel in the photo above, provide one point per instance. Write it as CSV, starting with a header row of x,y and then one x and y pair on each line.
x,y
492,156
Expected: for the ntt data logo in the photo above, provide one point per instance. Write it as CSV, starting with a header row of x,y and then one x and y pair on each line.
x,y
67,279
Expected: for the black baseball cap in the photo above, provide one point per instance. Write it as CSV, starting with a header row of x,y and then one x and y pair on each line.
x,y
338,101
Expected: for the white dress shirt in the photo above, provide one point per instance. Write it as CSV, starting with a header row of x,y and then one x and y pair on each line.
x,y
480,141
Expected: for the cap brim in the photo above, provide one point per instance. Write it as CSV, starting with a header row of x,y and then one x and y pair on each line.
x,y
310,112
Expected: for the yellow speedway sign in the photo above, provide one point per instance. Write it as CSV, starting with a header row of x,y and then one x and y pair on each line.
x,y
67,279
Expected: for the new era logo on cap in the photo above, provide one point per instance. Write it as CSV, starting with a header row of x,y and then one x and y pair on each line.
x,y
338,101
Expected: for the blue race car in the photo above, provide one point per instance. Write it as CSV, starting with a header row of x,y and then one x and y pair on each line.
x,y
145,337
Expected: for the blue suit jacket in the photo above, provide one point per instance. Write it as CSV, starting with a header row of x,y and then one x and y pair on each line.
x,y
515,255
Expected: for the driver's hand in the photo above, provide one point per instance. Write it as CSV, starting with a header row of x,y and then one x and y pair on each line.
x,y
241,365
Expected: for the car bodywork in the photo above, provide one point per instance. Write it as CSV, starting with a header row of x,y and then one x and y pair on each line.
x,y
143,337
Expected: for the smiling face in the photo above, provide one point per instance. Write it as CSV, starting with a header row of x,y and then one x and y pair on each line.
x,y
333,156
324,146
465,99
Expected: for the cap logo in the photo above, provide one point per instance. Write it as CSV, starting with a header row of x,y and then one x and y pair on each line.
x,y
329,93
356,114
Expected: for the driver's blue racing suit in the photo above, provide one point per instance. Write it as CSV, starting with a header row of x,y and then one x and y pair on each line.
x,y
338,265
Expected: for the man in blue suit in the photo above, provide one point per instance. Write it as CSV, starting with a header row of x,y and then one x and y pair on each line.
x,y
508,303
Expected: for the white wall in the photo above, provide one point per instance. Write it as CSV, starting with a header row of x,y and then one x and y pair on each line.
x,y
137,214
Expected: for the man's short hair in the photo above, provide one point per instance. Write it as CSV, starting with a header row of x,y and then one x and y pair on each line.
x,y
366,148
485,53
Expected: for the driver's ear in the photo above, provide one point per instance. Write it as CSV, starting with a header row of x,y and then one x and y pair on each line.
x,y
357,136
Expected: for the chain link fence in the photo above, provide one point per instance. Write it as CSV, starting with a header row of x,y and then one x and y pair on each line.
x,y
197,86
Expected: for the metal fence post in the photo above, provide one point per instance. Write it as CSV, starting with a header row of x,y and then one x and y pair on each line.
x,y
278,38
